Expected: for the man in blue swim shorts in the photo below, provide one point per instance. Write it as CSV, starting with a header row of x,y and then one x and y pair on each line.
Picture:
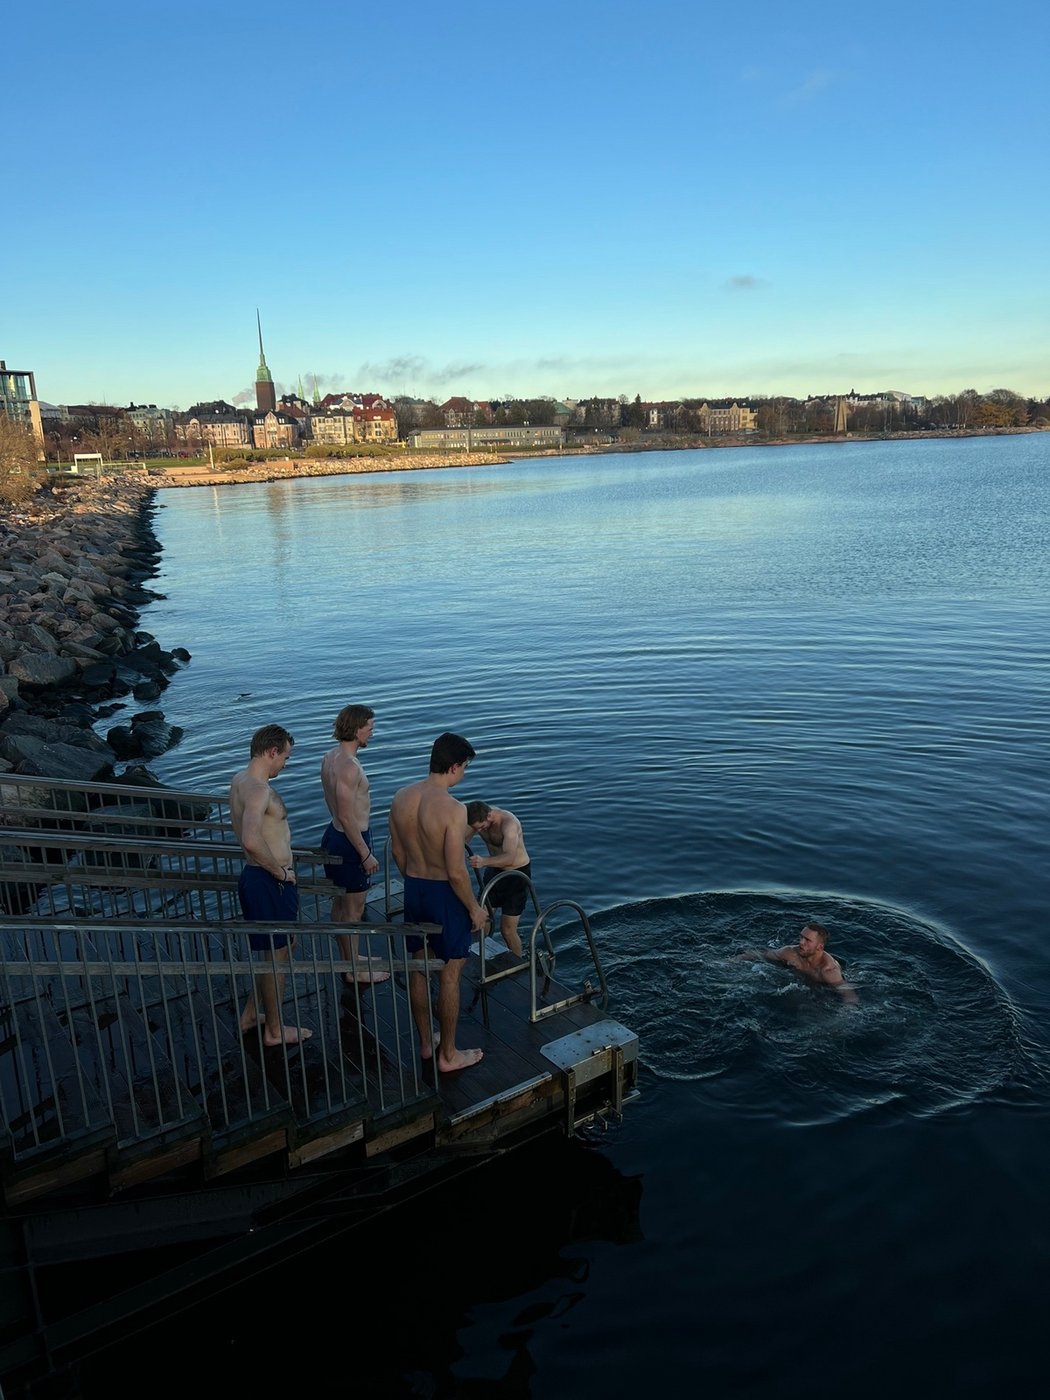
x,y
348,834
428,830
267,888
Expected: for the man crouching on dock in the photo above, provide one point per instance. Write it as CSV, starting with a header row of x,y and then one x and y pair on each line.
x,y
267,885
428,830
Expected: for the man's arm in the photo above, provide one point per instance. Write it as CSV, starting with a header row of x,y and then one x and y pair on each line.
x,y
511,852
253,838
832,977
764,955
456,871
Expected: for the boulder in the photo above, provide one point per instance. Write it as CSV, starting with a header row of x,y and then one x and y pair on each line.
x,y
37,671
55,731
37,757
38,638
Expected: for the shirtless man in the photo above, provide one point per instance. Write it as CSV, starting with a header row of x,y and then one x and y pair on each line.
x,y
348,834
502,834
428,830
267,885
809,957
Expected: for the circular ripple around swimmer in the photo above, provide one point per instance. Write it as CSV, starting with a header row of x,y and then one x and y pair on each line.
x,y
930,1029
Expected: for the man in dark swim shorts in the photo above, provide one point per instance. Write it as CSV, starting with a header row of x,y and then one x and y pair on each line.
x,y
348,834
428,830
267,888
502,834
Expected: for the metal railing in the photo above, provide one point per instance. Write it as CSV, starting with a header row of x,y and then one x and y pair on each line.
x,y
115,808
587,993
137,1030
78,875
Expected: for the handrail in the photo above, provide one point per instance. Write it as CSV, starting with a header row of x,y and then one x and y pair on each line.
x,y
118,1029
537,1014
485,899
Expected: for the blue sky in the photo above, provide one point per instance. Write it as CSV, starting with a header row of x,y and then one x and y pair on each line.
x,y
577,198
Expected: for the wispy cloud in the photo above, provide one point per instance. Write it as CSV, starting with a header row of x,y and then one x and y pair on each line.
x,y
811,86
744,282
417,372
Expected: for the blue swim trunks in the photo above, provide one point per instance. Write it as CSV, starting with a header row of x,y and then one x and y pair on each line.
x,y
348,876
435,902
267,900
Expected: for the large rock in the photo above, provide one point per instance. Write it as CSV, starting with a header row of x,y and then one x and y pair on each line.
x,y
37,671
36,756
148,736
56,731
38,638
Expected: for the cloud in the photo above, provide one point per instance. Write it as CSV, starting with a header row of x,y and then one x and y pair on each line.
x,y
417,372
330,382
813,84
453,372
402,369
744,282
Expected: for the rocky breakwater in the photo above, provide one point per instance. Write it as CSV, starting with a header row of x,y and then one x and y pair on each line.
x,y
73,565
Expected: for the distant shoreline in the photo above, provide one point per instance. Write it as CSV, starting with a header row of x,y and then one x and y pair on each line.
x,y
290,469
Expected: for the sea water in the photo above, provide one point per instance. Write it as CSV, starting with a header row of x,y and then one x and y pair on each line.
x,y
726,692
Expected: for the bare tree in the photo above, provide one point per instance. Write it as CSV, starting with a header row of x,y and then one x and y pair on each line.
x,y
19,455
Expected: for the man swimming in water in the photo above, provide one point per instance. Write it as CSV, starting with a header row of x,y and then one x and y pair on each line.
x,y
428,830
502,834
809,957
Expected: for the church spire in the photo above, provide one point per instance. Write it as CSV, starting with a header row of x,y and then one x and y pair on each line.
x,y
265,394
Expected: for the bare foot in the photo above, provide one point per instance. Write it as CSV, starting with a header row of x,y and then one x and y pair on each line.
x,y
367,980
289,1036
459,1059
249,1019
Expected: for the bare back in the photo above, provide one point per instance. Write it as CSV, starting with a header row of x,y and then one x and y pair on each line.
x,y
428,828
346,790
505,837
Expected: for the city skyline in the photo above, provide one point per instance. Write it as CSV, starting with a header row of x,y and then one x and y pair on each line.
x,y
567,200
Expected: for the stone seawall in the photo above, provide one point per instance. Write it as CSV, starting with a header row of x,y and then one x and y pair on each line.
x,y
73,563
284,469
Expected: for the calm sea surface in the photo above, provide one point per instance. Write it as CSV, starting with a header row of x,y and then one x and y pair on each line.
x,y
725,691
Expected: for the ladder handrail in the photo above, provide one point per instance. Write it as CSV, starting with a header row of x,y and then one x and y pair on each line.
x,y
484,893
586,995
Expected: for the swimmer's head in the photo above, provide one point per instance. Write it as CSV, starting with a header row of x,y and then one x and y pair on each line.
x,y
813,935
478,815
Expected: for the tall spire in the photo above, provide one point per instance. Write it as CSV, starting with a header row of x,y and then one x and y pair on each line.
x,y
265,394
317,392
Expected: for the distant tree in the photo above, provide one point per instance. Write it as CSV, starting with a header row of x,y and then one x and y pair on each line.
x,y
634,414
1010,406
19,455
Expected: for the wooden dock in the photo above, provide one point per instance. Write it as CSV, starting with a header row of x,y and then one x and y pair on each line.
x,y
137,1116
